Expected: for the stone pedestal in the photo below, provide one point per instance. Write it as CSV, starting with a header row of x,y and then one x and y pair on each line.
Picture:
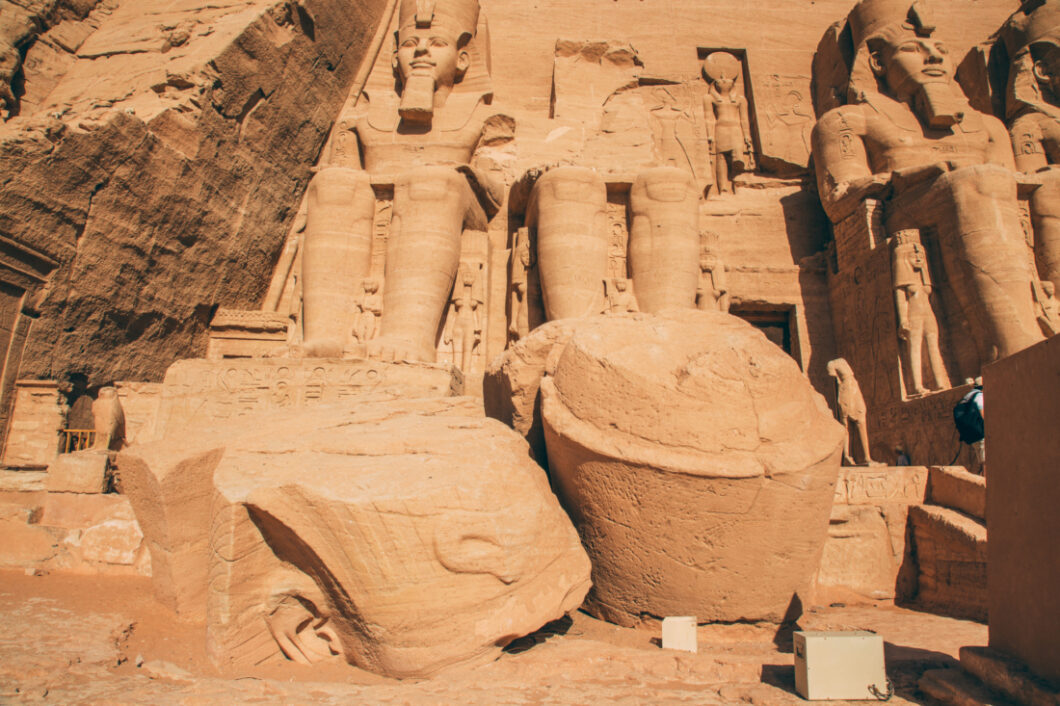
x,y
80,472
197,391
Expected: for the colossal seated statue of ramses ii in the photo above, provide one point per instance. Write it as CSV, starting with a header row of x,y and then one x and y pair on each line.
x,y
1032,40
421,138
908,136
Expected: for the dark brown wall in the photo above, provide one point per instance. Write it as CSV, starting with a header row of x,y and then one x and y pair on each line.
x,y
1022,405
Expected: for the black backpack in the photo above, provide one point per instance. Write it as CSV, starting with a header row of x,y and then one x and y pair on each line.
x,y
968,419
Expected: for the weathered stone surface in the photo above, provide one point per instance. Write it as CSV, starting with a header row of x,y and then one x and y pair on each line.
x,y
956,488
196,391
33,437
513,380
1009,676
954,687
163,187
690,452
858,558
80,511
89,534
79,472
24,545
867,556
22,481
408,535
112,542
951,561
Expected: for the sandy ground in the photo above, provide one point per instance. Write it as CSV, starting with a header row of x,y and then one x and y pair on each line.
x,y
81,640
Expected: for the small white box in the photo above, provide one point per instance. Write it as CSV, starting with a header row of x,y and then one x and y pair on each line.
x,y
679,634
839,665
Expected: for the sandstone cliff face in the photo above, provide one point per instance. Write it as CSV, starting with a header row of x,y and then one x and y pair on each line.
x,y
158,152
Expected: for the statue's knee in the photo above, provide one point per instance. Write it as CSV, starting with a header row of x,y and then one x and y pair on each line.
x,y
981,180
436,184
571,184
665,185
338,185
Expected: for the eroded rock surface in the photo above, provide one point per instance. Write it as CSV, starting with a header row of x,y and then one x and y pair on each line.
x,y
513,380
154,157
690,452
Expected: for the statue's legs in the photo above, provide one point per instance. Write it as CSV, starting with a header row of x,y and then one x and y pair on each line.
x,y
845,421
467,347
422,255
916,362
863,437
1045,212
664,239
939,376
336,256
983,252
722,172
569,208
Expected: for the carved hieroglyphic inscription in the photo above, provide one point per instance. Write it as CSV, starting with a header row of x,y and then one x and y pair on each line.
x,y
871,486
785,114
197,391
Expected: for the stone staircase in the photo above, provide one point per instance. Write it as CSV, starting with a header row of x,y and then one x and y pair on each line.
x,y
949,532
949,537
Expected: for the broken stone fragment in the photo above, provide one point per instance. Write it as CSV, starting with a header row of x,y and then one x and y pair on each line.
x,y
402,536
691,454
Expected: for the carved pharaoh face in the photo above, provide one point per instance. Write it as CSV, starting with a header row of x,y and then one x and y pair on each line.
x,y
907,62
435,52
399,568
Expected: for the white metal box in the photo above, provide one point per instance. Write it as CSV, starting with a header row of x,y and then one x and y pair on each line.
x,y
839,665
679,633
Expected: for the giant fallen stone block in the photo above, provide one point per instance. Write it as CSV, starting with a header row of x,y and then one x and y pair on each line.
x,y
691,454
401,536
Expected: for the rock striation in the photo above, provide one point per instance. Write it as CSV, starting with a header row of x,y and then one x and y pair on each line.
x,y
154,153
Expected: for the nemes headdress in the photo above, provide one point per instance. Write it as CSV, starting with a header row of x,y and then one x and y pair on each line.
x,y
458,15
1035,26
875,18
871,19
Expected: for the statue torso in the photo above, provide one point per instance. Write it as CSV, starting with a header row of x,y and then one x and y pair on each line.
x,y
390,146
895,138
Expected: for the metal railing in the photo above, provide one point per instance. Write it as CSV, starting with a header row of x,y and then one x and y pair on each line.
x,y
77,439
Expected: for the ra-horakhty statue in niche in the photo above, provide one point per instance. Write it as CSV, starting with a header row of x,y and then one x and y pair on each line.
x,y
907,135
728,120
421,135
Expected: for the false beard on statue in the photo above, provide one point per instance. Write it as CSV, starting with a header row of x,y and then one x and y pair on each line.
x,y
417,99
939,105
